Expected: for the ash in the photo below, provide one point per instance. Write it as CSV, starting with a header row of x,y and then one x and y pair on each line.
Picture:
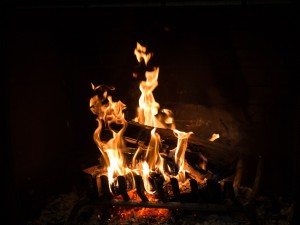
x,y
267,210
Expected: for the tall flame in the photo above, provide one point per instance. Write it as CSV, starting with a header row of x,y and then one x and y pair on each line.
x,y
148,109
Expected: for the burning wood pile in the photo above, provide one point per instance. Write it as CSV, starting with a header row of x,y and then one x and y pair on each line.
x,y
149,148
148,162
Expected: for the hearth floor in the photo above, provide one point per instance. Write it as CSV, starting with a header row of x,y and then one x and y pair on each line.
x,y
268,210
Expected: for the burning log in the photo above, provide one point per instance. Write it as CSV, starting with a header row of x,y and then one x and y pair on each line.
x,y
205,158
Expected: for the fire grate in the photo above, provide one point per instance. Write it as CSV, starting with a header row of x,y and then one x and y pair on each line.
x,y
211,198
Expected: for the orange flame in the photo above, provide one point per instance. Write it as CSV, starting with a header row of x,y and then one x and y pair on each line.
x,y
180,152
151,162
141,53
148,108
108,113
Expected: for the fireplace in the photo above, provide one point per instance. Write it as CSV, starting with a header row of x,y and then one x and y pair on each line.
x,y
146,162
232,71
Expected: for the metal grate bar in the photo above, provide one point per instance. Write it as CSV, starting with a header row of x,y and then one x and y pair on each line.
x,y
140,189
123,188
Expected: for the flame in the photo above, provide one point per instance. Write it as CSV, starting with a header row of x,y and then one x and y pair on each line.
x,y
214,137
148,110
180,150
148,107
108,113
151,162
146,175
141,53
147,161
204,162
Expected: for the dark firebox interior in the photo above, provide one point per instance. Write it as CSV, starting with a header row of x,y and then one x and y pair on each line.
x,y
235,57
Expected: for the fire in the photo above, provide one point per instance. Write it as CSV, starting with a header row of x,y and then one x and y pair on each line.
x,y
110,112
148,110
146,161
180,153
142,54
148,107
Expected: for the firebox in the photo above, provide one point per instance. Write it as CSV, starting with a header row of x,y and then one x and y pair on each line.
x,y
149,158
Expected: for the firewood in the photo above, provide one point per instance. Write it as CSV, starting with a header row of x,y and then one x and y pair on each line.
x,y
218,159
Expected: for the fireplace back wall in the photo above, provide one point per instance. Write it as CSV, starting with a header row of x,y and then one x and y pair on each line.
x,y
240,59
